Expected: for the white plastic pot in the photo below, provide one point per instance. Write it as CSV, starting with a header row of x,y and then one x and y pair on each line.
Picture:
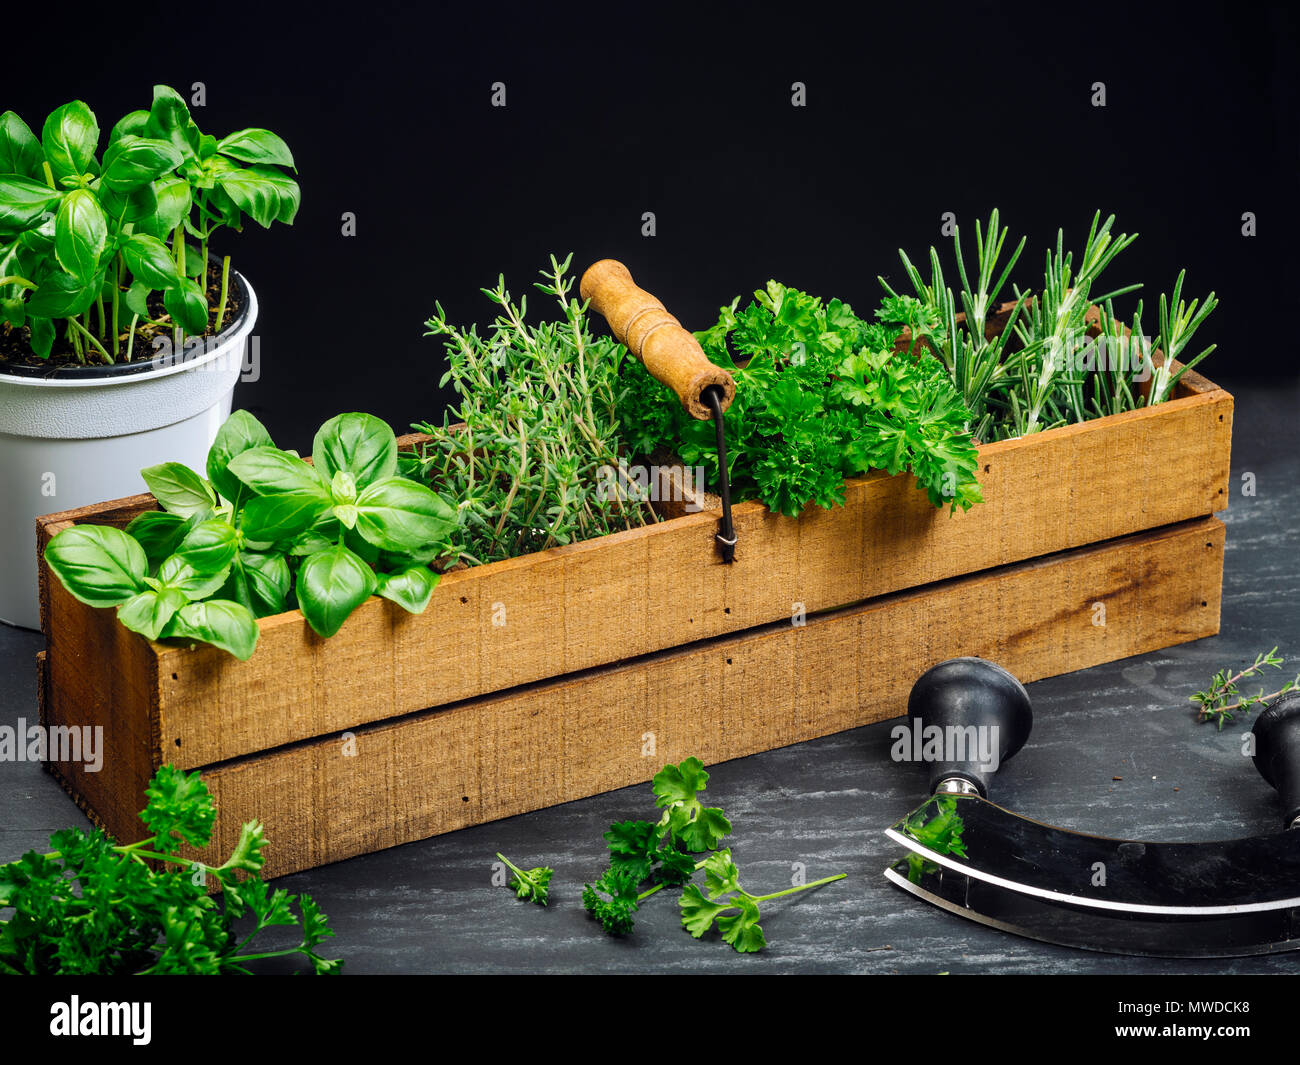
x,y
68,441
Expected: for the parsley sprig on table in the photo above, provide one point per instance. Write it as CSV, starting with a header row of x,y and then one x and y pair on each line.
x,y
663,853
821,395
533,885
95,907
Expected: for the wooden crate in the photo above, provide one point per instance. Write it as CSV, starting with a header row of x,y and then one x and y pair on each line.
x,y
533,680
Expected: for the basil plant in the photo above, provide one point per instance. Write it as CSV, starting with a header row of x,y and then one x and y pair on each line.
x,y
85,241
263,533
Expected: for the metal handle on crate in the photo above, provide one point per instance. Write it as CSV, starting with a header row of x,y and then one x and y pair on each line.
x,y
672,355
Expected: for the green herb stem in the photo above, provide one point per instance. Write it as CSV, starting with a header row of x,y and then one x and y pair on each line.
x,y
794,890
82,331
660,887
130,340
225,289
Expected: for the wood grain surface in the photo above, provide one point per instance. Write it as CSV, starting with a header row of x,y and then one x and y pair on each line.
x,y
492,757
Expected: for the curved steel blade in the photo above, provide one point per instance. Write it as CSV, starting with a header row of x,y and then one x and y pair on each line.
x,y
1086,928
1011,852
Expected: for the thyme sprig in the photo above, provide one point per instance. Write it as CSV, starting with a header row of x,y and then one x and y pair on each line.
x,y
1223,700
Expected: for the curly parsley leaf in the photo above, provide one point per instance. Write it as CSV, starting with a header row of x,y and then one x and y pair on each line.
x,y
533,885
96,907
179,809
941,833
821,395
612,900
698,913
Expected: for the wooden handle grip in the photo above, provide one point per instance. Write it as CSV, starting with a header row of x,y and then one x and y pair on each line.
x,y
655,337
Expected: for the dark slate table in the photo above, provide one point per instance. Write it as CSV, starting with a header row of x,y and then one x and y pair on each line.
x,y
431,907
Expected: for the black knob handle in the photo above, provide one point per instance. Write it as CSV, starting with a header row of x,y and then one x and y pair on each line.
x,y
967,717
1277,752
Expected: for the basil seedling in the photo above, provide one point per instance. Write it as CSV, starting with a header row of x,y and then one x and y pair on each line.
x,y
85,242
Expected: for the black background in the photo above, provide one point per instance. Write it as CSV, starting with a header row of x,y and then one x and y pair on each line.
x,y
686,111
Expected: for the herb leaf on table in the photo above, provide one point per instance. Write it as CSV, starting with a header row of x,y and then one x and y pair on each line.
x,y
1223,699
96,907
663,853
531,884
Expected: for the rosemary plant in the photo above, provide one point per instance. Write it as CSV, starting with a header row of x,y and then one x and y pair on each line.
x,y
1051,392
1176,331
974,359
538,423
1054,360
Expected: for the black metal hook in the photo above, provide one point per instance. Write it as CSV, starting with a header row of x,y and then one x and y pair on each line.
x,y
726,538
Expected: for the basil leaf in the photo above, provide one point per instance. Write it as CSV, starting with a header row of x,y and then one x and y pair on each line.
x,y
133,206
62,296
178,488
42,334
149,261
210,546
179,574
313,540
99,565
360,546
38,241
269,578
239,433
264,194
256,146
187,305
410,589
401,515
137,299
20,151
158,533
133,161
133,124
169,120
270,471
359,444
236,590
283,516
173,199
332,584
24,202
229,626
13,312
69,138
149,612
80,233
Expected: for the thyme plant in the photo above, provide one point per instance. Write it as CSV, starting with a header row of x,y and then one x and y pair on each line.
x,y
536,423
